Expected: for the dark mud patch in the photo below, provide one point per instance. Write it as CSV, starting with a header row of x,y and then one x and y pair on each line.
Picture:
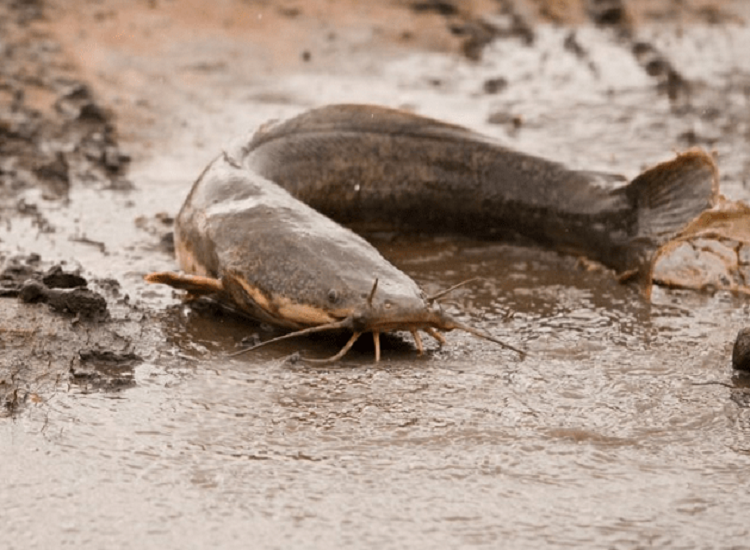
x,y
53,133
609,13
55,332
55,325
475,30
80,302
15,271
64,291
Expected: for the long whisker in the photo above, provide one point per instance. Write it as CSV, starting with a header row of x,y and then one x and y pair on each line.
x,y
485,336
438,295
436,335
344,323
372,293
376,341
339,355
418,341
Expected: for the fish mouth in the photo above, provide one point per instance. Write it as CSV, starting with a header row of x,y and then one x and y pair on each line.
x,y
369,322
390,313
388,320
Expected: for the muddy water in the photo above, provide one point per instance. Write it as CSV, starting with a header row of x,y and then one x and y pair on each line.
x,y
624,428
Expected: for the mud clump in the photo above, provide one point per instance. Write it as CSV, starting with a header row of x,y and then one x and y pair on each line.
x,y
610,13
435,6
15,271
63,291
81,302
493,86
56,277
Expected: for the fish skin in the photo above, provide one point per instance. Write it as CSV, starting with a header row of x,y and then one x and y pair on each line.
x,y
243,236
371,167
279,260
245,241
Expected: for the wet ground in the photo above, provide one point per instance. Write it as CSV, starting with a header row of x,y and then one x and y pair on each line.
x,y
124,425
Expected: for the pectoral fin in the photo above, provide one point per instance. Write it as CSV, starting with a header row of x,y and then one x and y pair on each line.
x,y
195,284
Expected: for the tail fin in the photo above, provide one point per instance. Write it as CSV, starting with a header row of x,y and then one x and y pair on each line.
x,y
673,193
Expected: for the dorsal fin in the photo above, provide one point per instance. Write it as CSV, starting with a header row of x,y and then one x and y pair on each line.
x,y
362,119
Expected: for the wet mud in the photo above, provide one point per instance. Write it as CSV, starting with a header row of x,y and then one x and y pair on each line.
x,y
125,424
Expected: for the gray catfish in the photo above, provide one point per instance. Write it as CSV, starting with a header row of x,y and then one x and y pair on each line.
x,y
372,167
247,242
250,243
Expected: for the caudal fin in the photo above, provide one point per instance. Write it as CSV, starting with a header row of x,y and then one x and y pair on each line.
x,y
673,193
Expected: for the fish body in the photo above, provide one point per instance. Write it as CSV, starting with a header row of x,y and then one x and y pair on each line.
x,y
278,259
373,167
247,242
256,230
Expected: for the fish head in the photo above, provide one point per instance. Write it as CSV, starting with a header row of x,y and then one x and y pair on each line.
x,y
394,308
279,261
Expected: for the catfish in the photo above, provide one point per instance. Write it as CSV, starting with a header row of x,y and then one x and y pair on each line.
x,y
375,169
246,242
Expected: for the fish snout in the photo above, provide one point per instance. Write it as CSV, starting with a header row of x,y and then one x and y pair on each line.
x,y
395,313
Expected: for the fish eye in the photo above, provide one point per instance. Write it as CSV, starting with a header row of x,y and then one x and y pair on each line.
x,y
333,296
